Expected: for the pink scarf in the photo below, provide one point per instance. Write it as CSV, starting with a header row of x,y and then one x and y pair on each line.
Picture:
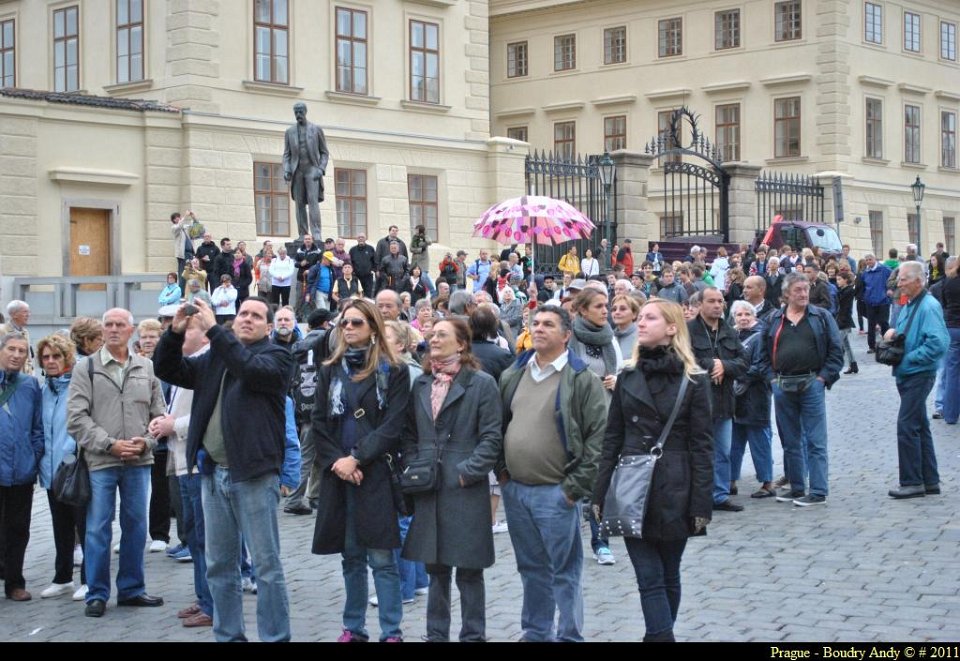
x,y
444,372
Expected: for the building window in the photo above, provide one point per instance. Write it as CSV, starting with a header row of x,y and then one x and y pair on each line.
x,y
663,129
518,133
671,37
873,23
911,32
8,51
270,39
422,190
727,29
876,232
671,225
517,59
424,62
728,131
950,234
565,52
913,228
948,139
874,128
911,134
351,51
271,199
615,45
66,49
615,133
565,140
787,19
129,40
351,190
786,124
948,41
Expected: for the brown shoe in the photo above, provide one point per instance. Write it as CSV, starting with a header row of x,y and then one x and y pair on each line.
x,y
199,620
19,594
189,611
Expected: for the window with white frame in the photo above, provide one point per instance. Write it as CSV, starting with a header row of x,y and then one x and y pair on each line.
x,y
565,52
726,29
352,44
66,49
786,122
670,37
787,20
424,62
948,139
911,32
874,128
948,41
872,23
911,134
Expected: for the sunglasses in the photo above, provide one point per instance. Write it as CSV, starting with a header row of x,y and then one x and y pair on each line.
x,y
355,323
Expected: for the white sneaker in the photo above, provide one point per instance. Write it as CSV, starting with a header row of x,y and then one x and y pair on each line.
x,y
80,594
116,547
158,545
421,591
373,601
604,556
499,527
247,585
56,589
77,555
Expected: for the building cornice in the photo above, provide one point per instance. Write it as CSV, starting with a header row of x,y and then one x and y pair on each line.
x,y
622,99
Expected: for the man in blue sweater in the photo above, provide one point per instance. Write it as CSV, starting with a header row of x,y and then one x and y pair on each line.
x,y
875,297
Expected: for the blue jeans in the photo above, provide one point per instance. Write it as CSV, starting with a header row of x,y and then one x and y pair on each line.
x,y
941,386
190,494
413,575
386,582
722,440
918,460
760,439
657,565
951,398
248,508
802,423
133,482
545,532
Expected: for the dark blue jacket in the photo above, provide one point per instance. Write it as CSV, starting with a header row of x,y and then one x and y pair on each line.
x,y
875,285
753,405
21,432
253,414
829,343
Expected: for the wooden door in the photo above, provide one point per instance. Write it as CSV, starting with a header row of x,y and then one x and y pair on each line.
x,y
89,243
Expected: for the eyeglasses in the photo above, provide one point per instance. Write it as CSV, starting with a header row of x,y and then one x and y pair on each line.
x,y
355,323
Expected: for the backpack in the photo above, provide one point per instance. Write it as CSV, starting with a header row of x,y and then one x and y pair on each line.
x,y
304,386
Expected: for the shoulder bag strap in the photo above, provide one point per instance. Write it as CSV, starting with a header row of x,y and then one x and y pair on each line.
x,y
913,313
673,414
11,388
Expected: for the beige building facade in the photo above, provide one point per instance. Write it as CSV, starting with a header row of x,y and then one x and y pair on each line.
x,y
868,91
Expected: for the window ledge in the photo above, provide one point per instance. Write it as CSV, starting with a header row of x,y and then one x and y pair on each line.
x,y
787,160
791,79
623,99
948,170
875,82
436,3
732,86
358,99
425,107
660,95
516,112
564,106
913,89
915,166
875,161
272,88
125,88
946,95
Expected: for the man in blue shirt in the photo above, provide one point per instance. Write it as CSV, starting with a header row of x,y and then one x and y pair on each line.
x,y
479,271
875,297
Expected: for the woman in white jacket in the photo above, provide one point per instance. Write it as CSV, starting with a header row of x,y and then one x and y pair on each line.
x,y
224,299
719,268
281,277
589,265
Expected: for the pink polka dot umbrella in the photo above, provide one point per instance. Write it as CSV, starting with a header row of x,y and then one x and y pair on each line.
x,y
533,219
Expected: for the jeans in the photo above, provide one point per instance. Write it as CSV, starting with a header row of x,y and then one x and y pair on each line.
x,y
545,533
16,505
69,522
386,582
722,440
918,460
413,575
473,606
894,314
802,423
951,397
941,387
248,508
191,494
133,482
597,541
876,314
159,521
657,565
760,439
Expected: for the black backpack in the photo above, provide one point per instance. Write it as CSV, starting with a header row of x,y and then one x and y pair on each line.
x,y
310,353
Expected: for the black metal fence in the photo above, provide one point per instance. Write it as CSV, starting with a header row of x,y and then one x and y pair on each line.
x,y
792,196
578,183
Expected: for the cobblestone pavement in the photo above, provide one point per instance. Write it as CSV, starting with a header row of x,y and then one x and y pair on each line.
x,y
862,568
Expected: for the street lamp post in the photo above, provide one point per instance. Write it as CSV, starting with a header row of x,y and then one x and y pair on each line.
x,y
608,171
918,188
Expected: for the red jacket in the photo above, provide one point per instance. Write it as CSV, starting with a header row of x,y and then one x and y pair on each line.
x,y
625,257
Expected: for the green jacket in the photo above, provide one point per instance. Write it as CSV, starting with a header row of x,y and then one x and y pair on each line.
x,y
581,413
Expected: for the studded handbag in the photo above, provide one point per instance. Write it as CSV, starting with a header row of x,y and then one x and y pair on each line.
x,y
627,497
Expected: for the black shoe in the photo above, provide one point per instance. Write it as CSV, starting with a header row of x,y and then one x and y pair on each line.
x,y
728,506
870,351
95,608
141,600
916,491
932,489
853,369
299,509
937,415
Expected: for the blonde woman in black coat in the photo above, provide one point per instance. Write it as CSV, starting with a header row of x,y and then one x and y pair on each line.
x,y
680,502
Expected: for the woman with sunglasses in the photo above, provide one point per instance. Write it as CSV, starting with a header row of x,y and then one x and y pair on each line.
x,y
355,426
454,416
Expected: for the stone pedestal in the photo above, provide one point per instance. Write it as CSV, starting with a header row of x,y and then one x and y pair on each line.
x,y
743,201
634,218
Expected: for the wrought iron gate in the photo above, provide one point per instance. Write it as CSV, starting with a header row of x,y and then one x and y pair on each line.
x,y
696,195
792,196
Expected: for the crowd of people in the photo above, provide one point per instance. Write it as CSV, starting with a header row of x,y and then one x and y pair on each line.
x,y
486,381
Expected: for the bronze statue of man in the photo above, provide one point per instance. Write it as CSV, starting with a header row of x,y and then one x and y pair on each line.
x,y
305,159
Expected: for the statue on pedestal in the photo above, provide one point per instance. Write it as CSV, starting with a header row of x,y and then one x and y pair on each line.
x,y
305,159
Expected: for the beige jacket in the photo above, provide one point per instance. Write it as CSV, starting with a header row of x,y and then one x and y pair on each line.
x,y
118,413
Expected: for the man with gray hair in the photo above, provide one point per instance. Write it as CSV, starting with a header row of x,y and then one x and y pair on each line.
x,y
111,402
462,303
389,303
18,312
926,339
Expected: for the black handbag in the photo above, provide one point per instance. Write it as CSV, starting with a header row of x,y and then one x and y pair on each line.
x,y
421,474
627,497
71,482
891,352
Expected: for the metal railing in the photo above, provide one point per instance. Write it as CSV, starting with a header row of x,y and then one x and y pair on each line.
x,y
57,301
792,196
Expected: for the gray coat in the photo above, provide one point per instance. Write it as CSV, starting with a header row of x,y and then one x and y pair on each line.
x,y
451,526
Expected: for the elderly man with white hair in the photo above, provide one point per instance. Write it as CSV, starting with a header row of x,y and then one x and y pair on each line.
x,y
18,313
